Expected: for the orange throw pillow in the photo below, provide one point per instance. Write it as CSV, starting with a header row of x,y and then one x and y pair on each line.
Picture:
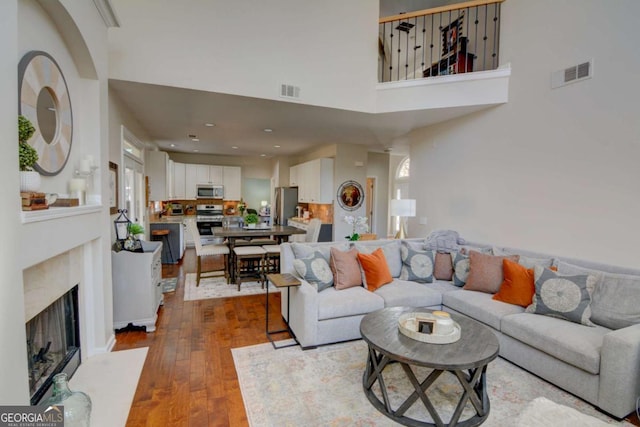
x,y
376,270
518,285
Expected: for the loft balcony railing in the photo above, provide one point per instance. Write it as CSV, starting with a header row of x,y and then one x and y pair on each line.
x,y
459,38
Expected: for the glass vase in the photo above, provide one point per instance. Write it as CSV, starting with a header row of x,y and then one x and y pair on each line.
x,y
77,405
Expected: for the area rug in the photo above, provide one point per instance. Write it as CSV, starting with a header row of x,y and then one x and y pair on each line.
x,y
217,287
169,284
110,380
323,387
543,412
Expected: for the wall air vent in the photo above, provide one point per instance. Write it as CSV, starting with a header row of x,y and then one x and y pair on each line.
x,y
572,74
289,91
405,26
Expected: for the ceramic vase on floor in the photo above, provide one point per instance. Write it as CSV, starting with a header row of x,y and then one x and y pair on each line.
x,y
77,405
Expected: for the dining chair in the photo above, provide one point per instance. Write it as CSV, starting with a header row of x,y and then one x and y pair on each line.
x,y
313,230
208,250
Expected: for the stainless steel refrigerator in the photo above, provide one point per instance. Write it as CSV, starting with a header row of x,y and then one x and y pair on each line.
x,y
286,200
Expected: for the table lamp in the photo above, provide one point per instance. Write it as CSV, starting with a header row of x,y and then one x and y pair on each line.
x,y
403,208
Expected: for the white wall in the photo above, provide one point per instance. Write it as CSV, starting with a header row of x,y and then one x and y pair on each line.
x,y
327,48
552,170
378,168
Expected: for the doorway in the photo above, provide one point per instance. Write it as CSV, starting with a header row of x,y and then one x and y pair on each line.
x,y
133,177
369,197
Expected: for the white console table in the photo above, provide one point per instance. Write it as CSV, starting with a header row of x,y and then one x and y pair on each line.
x,y
137,292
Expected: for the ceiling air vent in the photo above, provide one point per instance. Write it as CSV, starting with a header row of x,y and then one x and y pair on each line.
x,y
289,91
572,74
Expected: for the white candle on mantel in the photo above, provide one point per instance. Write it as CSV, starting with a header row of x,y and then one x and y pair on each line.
x,y
85,166
89,158
77,184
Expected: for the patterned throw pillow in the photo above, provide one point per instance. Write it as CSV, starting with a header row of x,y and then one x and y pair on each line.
x,y
565,297
460,268
417,265
315,270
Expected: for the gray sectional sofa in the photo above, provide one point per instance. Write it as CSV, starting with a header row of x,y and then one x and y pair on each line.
x,y
596,363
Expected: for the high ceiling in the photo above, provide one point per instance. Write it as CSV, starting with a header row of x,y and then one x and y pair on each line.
x,y
174,117
171,114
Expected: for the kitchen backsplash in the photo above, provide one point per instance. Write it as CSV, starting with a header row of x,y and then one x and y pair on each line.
x,y
324,212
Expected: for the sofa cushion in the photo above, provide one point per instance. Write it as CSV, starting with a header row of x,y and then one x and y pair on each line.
x,y
303,250
615,301
518,285
407,293
575,344
460,264
315,270
375,268
417,265
480,306
442,286
485,272
391,251
565,297
333,303
525,261
443,269
345,268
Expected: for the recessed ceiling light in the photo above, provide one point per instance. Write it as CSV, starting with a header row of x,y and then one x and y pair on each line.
x,y
209,125
195,151
276,146
234,147
195,139
268,130
263,155
173,145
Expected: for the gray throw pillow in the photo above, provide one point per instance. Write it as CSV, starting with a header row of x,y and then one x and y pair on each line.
x,y
315,270
304,250
565,297
616,298
417,265
461,267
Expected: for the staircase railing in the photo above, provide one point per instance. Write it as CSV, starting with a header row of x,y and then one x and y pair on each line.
x,y
459,38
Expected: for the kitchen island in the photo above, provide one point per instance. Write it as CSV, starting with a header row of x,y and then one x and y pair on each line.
x,y
175,225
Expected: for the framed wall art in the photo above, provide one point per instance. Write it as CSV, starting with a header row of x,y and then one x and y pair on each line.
x,y
113,188
350,195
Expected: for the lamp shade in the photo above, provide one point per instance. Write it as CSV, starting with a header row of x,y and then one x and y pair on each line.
x,y
403,207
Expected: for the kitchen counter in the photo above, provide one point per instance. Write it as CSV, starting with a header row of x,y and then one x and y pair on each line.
x,y
304,220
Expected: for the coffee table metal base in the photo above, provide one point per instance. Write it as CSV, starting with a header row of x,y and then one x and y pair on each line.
x,y
473,382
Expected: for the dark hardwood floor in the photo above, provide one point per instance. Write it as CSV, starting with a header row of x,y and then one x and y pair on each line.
x,y
189,378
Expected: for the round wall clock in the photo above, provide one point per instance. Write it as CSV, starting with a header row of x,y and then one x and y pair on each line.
x,y
350,195
44,100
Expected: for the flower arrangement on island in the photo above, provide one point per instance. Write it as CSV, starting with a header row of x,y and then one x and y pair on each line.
x,y
358,224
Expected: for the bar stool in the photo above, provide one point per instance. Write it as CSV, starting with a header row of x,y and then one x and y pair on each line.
x,y
271,264
162,235
208,250
248,263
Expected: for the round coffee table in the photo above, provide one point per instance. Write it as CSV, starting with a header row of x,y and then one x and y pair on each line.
x,y
466,359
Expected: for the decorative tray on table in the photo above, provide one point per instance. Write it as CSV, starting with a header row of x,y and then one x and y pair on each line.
x,y
433,328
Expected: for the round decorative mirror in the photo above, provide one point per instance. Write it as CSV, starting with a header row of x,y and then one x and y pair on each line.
x,y
44,100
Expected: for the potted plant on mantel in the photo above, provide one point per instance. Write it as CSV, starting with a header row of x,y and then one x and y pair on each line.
x,y
251,220
28,156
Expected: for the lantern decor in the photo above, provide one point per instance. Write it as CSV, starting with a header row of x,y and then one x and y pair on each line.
x,y
122,224
125,240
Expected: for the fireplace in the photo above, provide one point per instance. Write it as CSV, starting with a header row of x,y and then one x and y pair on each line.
x,y
53,344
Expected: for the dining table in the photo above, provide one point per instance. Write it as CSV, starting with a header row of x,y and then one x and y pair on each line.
x,y
280,233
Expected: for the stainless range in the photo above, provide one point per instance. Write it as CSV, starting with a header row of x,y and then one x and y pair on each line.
x,y
208,216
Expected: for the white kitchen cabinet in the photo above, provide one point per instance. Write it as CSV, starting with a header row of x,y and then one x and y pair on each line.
x,y
171,194
190,181
189,239
209,174
293,175
157,169
232,182
137,291
179,181
315,181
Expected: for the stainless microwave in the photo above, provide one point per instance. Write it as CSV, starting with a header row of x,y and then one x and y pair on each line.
x,y
208,191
